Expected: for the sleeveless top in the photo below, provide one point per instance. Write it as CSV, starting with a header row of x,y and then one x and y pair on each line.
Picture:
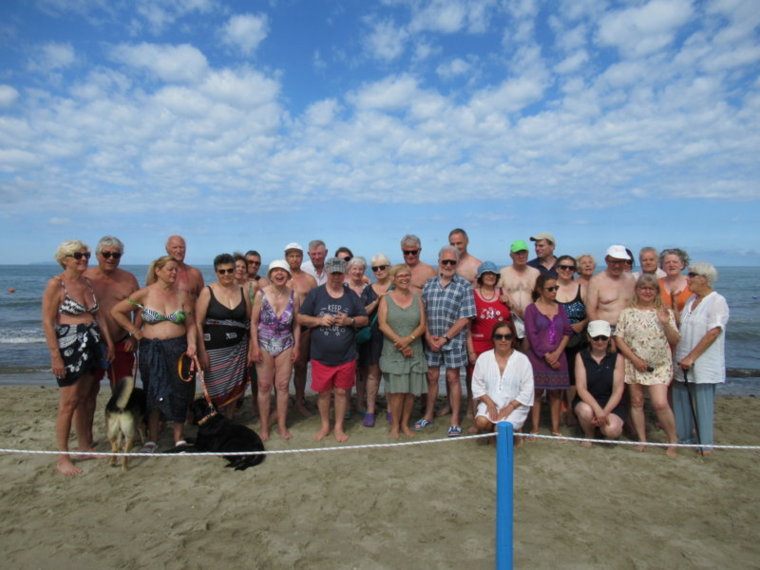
x,y
599,377
575,309
276,333
152,317
218,312
73,307
486,314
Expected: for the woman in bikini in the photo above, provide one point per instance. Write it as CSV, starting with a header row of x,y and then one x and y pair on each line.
x,y
168,331
223,310
274,342
77,339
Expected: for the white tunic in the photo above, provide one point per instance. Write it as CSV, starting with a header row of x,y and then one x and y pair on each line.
x,y
712,311
515,384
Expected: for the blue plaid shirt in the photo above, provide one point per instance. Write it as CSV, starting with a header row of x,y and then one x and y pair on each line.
x,y
444,305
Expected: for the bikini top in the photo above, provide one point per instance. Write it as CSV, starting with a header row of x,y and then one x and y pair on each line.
x,y
72,307
152,317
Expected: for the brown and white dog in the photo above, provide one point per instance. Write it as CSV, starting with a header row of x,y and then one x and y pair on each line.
x,y
125,417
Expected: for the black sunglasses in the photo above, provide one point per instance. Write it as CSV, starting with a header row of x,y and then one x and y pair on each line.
x,y
410,251
377,268
692,274
225,271
110,254
503,336
566,267
448,262
553,288
601,337
79,255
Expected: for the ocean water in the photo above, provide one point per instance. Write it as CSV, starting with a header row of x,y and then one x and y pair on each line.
x,y
24,357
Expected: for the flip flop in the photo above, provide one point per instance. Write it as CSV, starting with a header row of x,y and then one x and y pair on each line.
x,y
149,447
421,424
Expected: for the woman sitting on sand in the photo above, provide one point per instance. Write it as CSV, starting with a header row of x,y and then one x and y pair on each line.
x,y
600,386
502,382
168,331
77,339
402,320
646,334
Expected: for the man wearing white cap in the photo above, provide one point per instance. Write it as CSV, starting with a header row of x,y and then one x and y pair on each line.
x,y
611,290
545,258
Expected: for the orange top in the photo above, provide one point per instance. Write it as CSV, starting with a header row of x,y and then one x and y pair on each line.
x,y
681,297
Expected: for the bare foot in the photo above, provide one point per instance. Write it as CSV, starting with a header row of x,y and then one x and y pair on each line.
x,y
321,434
670,451
532,433
586,444
394,433
519,441
472,430
444,411
284,433
340,436
264,434
408,432
639,447
302,409
66,467
706,452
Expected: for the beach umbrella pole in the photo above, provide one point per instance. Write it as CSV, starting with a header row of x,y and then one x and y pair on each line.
x,y
504,494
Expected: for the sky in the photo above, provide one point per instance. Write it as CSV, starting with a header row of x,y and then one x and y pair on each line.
x,y
251,124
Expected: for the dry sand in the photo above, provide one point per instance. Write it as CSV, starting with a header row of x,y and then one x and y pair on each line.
x,y
430,506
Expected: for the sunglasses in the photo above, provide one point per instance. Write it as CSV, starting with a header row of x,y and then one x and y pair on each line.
x,y
600,338
503,336
251,262
110,254
690,274
553,288
566,267
410,251
79,255
448,262
346,259
377,268
225,271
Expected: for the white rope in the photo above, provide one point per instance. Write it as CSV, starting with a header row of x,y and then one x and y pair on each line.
x,y
561,438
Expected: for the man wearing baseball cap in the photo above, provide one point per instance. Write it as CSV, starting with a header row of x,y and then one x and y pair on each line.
x,y
518,281
611,291
545,258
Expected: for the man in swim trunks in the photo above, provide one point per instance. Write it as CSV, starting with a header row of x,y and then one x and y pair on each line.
x,y
468,264
517,281
545,259
189,279
333,313
301,282
411,248
610,291
316,264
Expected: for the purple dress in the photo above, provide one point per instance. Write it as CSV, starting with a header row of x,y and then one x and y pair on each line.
x,y
545,335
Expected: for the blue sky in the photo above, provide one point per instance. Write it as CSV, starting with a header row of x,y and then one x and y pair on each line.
x,y
252,124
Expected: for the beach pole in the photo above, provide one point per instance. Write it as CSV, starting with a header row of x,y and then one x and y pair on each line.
x,y
504,490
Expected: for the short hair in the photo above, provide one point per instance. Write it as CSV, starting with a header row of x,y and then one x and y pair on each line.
x,y
683,256
344,249
570,257
358,260
67,248
315,243
510,325
237,256
224,259
380,259
647,249
446,248
109,241
459,231
706,269
650,280
157,264
584,256
411,237
172,237
398,268
539,286
253,252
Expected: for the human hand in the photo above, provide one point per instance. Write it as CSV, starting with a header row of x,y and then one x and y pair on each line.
x,y
663,315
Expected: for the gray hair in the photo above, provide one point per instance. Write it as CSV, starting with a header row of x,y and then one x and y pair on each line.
x,y
315,243
411,237
357,260
682,255
705,269
109,241
68,248
647,249
380,259
446,248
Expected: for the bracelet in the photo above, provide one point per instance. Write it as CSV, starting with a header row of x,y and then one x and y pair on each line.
x,y
412,336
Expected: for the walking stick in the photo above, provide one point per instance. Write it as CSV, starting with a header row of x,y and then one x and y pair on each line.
x,y
693,410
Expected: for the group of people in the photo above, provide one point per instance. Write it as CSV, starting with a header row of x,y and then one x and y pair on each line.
x,y
527,331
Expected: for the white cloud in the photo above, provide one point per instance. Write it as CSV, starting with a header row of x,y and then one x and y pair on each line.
x,y
453,68
245,32
450,16
167,62
386,41
391,93
8,95
52,56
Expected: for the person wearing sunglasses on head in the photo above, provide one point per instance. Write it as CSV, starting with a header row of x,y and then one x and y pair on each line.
x,y
599,374
411,248
79,344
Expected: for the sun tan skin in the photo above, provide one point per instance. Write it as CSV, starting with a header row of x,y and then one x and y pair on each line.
x,y
274,370
302,283
164,296
586,268
72,398
610,292
228,292
517,281
401,404
372,372
421,272
545,253
468,264
189,279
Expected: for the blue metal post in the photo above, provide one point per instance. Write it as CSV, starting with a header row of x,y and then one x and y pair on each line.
x,y
504,490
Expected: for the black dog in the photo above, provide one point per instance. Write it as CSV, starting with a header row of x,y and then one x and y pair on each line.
x,y
217,433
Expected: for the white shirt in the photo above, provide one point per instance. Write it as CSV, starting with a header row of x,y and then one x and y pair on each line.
x,y
515,384
710,367
308,267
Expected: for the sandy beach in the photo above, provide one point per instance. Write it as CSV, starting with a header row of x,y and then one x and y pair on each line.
x,y
417,506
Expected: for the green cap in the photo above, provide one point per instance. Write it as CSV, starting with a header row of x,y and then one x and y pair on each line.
x,y
518,245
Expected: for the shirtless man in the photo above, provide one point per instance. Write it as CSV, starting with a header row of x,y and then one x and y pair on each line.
x,y
253,264
301,282
611,291
411,247
468,264
189,279
545,258
316,264
518,281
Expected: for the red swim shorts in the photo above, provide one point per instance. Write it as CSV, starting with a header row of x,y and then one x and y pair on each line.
x,y
324,377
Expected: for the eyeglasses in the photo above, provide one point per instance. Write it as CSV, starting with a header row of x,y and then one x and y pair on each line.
x,y
377,268
110,254
229,271
503,336
692,274
566,267
448,262
79,255
346,259
410,251
600,338
252,262
553,288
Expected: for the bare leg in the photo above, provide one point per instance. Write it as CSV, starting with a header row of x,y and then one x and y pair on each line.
x,y
361,389
299,378
469,406
396,403
433,373
659,396
323,403
636,393
84,414
584,413
535,412
283,367
68,401
341,405
555,409
178,429
373,385
406,414
254,377
265,372
570,419
455,394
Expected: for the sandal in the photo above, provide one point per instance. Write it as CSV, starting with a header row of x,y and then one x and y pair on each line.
x,y
421,424
149,447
